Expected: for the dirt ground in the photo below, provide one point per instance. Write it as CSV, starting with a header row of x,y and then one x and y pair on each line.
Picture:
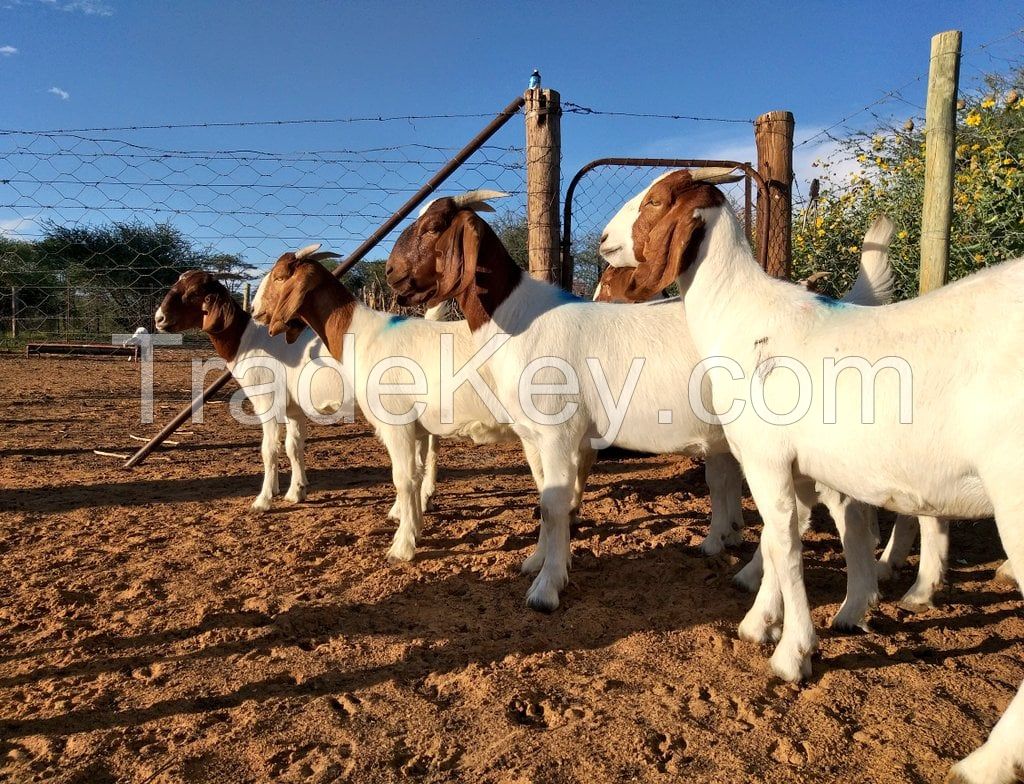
x,y
154,629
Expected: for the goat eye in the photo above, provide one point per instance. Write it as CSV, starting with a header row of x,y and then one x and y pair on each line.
x,y
653,203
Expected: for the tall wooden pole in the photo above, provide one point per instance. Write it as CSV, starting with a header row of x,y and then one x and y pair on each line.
x,y
246,301
543,182
940,156
14,313
773,136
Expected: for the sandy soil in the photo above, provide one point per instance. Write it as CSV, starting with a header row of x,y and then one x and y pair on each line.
x,y
154,629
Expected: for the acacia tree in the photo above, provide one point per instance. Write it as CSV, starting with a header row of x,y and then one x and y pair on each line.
x,y
93,280
988,217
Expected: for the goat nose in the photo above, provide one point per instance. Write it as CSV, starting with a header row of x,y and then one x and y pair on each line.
x,y
604,237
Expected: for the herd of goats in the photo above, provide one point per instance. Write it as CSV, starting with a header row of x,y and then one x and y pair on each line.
x,y
857,404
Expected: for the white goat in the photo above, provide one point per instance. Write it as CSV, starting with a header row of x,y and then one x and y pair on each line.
x,y
385,351
874,286
199,301
583,356
949,444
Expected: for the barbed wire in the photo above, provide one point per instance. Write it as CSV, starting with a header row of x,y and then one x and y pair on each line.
x,y
569,107
897,93
259,123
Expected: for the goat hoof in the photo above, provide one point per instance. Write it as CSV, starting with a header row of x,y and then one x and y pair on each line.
x,y
915,604
759,630
712,545
849,625
543,594
401,553
540,602
296,495
791,667
393,514
261,504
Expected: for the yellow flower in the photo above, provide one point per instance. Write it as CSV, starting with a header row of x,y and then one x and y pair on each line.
x,y
902,234
862,158
979,257
854,249
988,103
973,119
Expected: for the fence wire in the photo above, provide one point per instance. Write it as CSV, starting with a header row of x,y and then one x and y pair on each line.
x,y
95,225
599,195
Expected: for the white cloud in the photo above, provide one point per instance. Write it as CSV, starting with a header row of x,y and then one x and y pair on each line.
x,y
7,51
17,228
62,94
88,7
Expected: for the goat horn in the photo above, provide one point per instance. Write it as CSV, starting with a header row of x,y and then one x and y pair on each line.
x,y
306,251
477,200
717,175
326,254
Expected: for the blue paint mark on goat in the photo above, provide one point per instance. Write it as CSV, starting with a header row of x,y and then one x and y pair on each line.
x,y
828,302
395,320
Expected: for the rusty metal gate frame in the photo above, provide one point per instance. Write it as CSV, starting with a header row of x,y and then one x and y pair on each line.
x,y
751,176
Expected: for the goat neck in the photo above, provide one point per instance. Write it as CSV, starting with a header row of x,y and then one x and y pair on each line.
x,y
495,278
328,310
227,337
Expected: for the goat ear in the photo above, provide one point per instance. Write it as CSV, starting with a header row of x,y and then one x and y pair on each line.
x,y
214,313
669,250
456,254
292,295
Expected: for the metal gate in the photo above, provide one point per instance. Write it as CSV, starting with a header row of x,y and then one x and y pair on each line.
x,y
600,188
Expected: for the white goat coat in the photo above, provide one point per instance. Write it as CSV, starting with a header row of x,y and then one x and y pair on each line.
x,y
959,457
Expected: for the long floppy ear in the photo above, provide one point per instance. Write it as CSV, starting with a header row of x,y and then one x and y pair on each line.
x,y
456,254
669,250
291,296
215,313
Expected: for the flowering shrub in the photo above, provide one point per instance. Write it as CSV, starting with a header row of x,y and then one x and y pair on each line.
x,y
988,197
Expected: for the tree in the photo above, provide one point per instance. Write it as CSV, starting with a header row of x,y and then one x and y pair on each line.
x,y
988,218
95,280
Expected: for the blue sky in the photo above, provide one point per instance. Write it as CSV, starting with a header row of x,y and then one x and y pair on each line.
x,y
102,63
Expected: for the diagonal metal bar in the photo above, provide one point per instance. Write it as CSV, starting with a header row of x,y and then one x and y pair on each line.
x,y
350,261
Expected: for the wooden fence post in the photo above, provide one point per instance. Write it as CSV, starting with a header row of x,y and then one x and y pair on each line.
x,y
773,135
14,313
543,182
939,157
246,302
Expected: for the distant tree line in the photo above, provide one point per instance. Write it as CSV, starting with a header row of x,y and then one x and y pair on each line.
x,y
97,280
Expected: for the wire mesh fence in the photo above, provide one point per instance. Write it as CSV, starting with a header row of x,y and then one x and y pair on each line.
x,y
95,225
599,194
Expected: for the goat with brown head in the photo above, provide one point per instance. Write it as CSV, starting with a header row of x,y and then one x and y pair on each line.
x,y
658,231
268,295
617,285
302,292
449,252
200,301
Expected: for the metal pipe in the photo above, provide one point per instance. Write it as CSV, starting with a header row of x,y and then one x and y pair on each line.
x,y
350,261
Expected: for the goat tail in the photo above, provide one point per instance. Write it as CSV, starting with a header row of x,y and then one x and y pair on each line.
x,y
875,283
437,313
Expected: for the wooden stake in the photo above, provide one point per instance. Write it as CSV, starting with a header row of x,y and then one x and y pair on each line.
x,y
940,156
543,181
773,135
